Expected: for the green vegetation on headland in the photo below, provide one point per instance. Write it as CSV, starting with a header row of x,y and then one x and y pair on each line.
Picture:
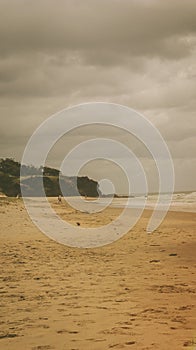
x,y
13,177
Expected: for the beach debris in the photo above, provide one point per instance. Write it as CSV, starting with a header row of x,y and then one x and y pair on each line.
x,y
173,254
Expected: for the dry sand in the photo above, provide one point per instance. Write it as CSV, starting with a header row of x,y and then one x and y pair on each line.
x,y
137,293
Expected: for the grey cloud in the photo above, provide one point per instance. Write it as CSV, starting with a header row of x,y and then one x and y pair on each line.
x,y
133,28
138,53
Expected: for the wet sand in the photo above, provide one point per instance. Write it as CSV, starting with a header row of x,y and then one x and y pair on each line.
x,y
138,293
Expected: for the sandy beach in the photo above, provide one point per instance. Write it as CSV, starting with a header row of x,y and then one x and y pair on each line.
x,y
137,293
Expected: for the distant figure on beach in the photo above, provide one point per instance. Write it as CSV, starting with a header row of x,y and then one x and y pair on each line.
x,y
18,196
59,199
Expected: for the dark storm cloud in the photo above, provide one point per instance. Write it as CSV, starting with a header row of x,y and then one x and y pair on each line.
x,y
140,53
123,27
52,48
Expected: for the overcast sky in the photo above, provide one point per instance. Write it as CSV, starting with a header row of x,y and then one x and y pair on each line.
x,y
142,54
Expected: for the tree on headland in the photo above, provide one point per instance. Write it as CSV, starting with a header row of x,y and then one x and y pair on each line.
x,y
32,179
10,166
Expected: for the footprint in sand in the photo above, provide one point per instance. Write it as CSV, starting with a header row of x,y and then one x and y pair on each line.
x,y
42,347
61,331
116,346
189,343
8,335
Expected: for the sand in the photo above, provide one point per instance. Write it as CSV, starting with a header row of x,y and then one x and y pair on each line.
x,y
137,293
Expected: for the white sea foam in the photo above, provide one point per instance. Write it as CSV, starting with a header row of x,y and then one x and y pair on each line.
x,y
180,202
